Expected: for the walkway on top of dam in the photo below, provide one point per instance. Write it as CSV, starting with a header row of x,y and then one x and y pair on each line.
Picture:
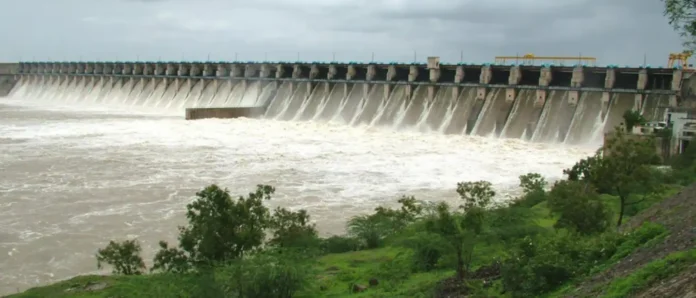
x,y
643,80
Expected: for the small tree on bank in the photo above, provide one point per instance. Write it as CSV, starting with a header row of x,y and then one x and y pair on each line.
x,y
124,257
623,171
461,229
578,206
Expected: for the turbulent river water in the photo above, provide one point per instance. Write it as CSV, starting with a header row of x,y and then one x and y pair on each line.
x,y
72,176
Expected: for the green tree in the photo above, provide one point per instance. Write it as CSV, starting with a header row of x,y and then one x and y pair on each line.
x,y
626,168
449,225
219,229
579,207
292,229
461,229
373,228
124,257
583,171
682,16
398,219
533,190
632,118
532,182
370,229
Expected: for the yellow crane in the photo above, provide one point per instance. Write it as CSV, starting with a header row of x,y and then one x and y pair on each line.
x,y
679,60
531,59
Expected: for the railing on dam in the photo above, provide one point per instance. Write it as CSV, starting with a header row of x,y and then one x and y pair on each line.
x,y
642,80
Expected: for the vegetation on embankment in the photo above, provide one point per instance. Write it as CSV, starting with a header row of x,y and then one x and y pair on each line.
x,y
554,241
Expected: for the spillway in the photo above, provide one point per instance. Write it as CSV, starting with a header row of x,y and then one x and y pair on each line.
x,y
572,105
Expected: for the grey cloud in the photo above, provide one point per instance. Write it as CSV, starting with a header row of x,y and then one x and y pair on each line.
x,y
617,31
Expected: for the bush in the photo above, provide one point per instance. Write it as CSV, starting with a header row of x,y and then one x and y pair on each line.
x,y
534,191
428,249
510,224
277,273
370,229
339,244
537,266
542,264
374,228
579,207
124,257
292,229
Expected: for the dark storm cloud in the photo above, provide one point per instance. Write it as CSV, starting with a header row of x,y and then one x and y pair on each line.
x,y
617,31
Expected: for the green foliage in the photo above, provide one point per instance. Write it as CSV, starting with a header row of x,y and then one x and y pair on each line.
x,y
460,230
538,265
532,182
651,274
633,118
647,232
373,228
534,190
222,229
681,16
272,273
292,229
625,170
170,259
578,207
370,229
506,225
542,264
339,244
428,249
395,269
124,257
582,170
396,220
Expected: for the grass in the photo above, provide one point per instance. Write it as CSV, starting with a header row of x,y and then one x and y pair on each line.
x,y
651,273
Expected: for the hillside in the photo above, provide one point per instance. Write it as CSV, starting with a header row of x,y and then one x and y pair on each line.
x,y
676,278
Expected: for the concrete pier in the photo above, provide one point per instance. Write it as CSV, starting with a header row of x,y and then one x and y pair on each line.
x,y
9,76
224,113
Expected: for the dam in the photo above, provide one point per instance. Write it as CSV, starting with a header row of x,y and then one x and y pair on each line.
x,y
546,103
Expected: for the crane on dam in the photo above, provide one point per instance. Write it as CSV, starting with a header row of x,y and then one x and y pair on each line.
x,y
531,59
680,60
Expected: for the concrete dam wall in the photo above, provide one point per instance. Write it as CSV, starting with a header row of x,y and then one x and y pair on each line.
x,y
537,103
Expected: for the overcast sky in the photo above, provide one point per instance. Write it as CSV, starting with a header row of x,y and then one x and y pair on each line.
x,y
614,31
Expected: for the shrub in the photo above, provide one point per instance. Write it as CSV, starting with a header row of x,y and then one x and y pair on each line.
x,y
292,229
339,244
124,257
276,273
539,265
579,207
533,186
428,249
370,229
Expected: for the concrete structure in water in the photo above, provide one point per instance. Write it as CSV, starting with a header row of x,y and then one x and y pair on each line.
x,y
203,113
640,81
8,79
